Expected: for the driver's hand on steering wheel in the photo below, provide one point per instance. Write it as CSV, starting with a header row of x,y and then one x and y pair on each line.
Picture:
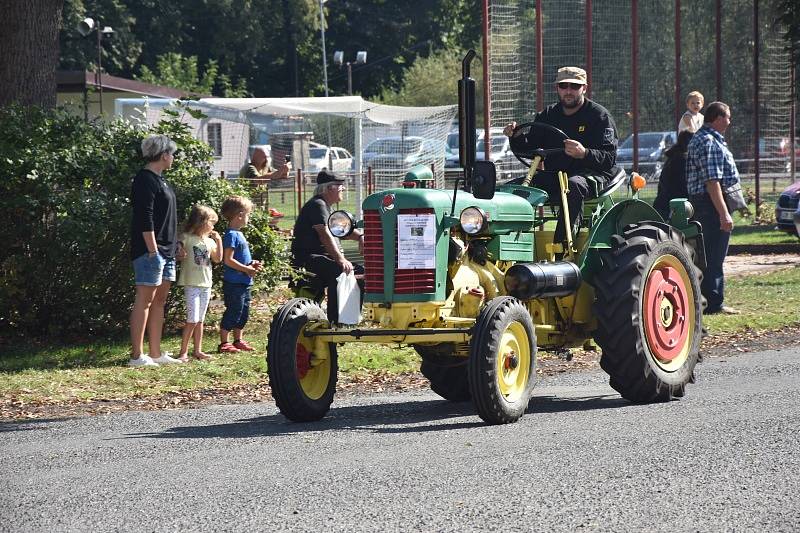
x,y
574,149
509,129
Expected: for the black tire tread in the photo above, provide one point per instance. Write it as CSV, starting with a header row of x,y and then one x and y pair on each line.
x,y
488,401
282,366
617,291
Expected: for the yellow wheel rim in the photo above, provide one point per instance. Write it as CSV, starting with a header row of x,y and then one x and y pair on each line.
x,y
313,367
513,362
668,313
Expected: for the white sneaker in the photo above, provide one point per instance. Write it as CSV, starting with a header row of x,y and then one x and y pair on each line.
x,y
142,360
167,359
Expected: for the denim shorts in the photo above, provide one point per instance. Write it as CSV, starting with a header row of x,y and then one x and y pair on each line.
x,y
152,271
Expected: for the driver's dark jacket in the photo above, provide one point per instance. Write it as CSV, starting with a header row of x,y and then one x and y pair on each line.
x,y
594,128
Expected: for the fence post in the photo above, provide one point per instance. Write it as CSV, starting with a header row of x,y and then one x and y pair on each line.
x,y
635,80
589,51
298,187
678,92
539,58
756,110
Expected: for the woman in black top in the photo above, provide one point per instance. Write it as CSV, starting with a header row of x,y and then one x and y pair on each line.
x,y
672,182
154,228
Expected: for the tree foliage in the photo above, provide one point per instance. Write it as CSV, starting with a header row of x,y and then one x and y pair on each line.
x,y
174,70
64,201
433,80
789,18
273,45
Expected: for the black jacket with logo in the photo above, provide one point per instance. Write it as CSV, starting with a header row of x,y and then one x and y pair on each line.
x,y
592,126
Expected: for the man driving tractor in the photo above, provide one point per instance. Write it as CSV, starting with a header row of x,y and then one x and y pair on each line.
x,y
589,150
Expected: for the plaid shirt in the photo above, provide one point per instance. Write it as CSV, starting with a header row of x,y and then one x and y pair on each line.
x,y
708,158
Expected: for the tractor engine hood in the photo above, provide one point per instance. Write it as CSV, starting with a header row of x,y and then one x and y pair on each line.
x,y
407,238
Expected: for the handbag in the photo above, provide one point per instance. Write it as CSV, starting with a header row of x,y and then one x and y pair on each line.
x,y
734,198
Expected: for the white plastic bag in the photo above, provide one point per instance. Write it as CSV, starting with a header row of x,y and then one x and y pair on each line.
x,y
349,299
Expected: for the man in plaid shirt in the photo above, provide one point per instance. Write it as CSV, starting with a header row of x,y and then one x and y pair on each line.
x,y
710,168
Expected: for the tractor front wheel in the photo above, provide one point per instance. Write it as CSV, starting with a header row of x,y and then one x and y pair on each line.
x,y
446,372
302,375
502,361
649,312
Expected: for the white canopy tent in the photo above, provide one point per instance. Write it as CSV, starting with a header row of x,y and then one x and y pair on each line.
x,y
432,122
356,123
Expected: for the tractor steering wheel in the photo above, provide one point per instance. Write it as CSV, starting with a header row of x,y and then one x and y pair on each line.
x,y
536,138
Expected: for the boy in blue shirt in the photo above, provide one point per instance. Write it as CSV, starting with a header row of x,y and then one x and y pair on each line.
x,y
239,269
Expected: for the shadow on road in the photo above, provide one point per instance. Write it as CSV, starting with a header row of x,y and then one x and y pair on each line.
x,y
394,417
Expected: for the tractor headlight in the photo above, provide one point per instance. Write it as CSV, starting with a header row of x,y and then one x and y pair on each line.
x,y
341,224
472,220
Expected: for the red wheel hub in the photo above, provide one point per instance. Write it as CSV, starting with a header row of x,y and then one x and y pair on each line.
x,y
666,312
303,357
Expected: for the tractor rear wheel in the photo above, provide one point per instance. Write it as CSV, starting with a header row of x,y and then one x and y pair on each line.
x,y
502,361
446,372
302,377
649,311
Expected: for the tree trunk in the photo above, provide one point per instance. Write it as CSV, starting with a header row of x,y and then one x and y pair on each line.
x,y
29,44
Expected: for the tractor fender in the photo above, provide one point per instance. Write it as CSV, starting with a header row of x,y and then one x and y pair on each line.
x,y
611,223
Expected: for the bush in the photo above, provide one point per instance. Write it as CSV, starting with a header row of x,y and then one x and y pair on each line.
x,y
65,207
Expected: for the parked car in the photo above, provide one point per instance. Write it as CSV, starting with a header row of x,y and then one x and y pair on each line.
x,y
501,154
398,153
652,145
333,158
451,158
788,204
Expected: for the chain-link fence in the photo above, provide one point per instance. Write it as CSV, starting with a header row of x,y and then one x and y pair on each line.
x,y
731,51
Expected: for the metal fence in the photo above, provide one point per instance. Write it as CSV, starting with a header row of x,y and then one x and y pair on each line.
x,y
643,57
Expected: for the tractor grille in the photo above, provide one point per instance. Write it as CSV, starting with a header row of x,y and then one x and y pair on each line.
x,y
406,280
373,252
788,201
412,280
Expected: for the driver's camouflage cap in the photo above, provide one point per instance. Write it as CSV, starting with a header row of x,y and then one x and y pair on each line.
x,y
571,75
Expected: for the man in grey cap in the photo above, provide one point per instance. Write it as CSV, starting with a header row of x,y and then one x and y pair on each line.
x,y
589,150
315,248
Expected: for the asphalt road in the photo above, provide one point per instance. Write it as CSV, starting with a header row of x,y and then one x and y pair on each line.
x,y
724,458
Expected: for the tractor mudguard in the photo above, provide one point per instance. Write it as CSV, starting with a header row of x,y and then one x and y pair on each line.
x,y
611,223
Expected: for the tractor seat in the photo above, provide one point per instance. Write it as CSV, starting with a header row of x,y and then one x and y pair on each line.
x,y
608,187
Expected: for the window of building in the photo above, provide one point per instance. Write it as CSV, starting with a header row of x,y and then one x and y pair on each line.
x,y
215,138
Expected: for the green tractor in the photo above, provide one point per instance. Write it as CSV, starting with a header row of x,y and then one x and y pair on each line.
x,y
471,279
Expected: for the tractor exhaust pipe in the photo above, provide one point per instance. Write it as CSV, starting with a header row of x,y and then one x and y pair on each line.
x,y
466,126
527,281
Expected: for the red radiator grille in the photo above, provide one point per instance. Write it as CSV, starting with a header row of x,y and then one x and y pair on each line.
x,y
410,280
373,252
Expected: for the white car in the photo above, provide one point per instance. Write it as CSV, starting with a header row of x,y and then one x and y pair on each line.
x,y
333,158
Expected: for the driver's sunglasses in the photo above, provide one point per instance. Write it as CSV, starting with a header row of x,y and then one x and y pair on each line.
x,y
567,85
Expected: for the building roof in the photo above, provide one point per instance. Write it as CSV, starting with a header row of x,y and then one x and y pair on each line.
x,y
77,81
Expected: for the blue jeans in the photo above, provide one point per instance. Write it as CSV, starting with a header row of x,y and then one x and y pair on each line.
x,y
716,245
237,305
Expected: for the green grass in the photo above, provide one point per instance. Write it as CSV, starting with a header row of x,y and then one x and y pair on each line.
x,y
767,301
47,372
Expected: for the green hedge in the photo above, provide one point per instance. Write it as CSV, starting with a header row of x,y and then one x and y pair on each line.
x,y
65,210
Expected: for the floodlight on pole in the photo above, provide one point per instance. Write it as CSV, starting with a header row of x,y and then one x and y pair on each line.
x,y
338,60
85,27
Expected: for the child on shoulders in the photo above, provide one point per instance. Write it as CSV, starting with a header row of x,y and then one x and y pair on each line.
x,y
692,119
